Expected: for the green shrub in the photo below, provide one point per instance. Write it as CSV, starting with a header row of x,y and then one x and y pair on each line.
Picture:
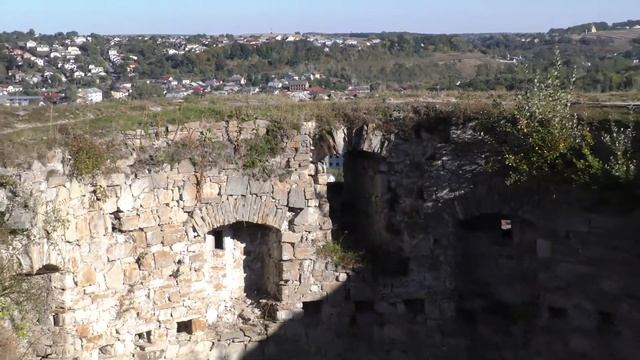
x,y
87,156
258,152
340,255
548,139
8,182
621,165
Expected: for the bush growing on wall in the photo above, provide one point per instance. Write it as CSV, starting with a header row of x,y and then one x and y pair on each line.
x,y
548,138
87,156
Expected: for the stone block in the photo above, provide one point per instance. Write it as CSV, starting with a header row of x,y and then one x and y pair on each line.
x,y
304,251
290,270
114,278
126,201
260,187
129,223
210,191
198,325
131,273
173,234
287,251
97,224
164,214
297,198
57,180
147,219
189,194
289,237
159,180
86,275
163,259
148,200
83,233
237,185
307,217
164,196
153,236
186,167
120,251
140,186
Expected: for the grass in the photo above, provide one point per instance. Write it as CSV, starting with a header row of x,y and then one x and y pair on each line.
x,y
341,256
28,132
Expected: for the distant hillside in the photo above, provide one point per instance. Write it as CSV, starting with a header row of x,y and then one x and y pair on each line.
x,y
599,26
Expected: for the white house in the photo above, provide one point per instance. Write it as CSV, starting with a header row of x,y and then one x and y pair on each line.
x,y
79,40
43,48
31,44
89,96
73,51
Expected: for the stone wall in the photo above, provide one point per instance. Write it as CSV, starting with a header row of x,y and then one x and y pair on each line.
x,y
154,262
140,271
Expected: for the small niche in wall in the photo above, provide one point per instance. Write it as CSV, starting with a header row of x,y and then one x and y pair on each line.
x,y
143,337
218,240
185,327
312,308
506,229
57,321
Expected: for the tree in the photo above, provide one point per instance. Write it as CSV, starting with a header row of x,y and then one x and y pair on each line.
x,y
548,138
145,90
71,93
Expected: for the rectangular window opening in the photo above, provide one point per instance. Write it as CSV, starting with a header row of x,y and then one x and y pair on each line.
x,y
57,322
185,327
143,337
218,238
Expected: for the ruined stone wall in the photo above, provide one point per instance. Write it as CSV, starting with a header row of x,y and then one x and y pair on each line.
x,y
141,271
156,268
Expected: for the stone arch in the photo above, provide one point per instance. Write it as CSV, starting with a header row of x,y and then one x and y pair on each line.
x,y
261,210
341,139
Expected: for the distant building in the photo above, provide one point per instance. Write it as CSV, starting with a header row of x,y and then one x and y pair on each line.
x,y
19,100
237,80
89,96
298,85
593,29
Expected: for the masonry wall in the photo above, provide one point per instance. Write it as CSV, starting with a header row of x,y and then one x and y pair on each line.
x,y
143,260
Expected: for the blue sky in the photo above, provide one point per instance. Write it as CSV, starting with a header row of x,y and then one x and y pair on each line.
x,y
249,16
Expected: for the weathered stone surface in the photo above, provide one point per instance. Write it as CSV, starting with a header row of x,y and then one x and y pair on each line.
x,y
210,191
114,277
237,185
164,196
126,201
163,258
189,194
120,251
296,198
20,219
260,187
186,167
307,217
141,185
147,219
55,181
287,251
129,223
86,275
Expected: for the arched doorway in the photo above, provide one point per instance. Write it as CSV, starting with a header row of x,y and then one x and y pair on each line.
x,y
251,255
